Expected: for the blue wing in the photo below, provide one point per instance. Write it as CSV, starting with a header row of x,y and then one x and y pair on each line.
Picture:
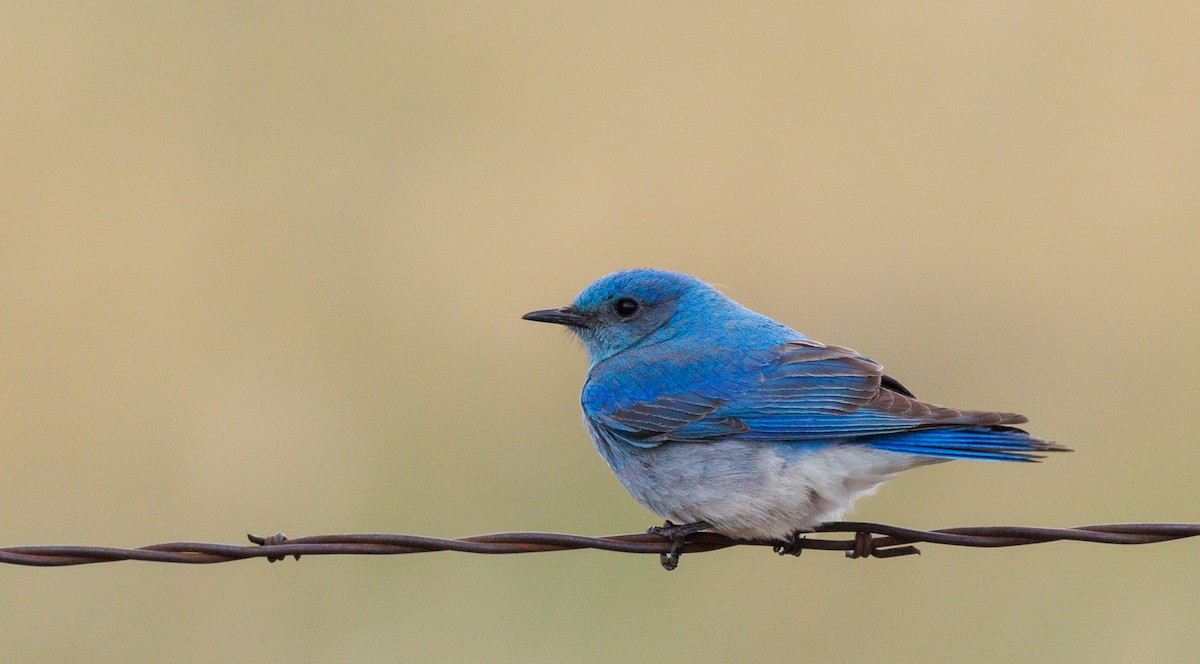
x,y
798,392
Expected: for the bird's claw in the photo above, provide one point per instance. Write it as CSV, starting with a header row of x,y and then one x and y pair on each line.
x,y
793,546
670,560
790,547
678,534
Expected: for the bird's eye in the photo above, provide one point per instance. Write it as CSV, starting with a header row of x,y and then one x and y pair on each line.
x,y
626,307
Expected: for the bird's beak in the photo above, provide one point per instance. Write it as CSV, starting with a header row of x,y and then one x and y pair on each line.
x,y
561,316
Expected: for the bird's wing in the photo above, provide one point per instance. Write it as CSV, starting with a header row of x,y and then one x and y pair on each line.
x,y
798,391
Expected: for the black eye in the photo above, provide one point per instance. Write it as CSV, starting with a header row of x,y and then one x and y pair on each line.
x,y
626,307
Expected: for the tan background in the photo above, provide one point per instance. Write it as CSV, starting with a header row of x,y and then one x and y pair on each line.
x,y
261,269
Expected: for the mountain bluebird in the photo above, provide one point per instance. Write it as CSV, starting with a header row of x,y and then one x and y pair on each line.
x,y
715,416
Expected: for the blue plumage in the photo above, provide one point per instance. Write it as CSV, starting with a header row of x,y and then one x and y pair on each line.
x,y
710,412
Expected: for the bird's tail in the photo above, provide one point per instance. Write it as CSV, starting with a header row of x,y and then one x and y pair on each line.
x,y
988,443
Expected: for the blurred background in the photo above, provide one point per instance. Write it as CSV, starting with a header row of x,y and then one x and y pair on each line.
x,y
262,268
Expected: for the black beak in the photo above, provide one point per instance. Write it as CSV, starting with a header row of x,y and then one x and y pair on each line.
x,y
560,316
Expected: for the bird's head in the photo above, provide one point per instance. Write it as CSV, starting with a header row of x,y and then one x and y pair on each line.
x,y
623,309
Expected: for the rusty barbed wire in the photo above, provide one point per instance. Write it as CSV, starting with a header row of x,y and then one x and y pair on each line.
x,y
870,540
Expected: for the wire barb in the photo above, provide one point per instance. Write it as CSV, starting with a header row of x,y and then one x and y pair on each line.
x,y
869,540
271,540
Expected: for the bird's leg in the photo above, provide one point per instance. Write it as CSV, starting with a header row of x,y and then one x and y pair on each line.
x,y
678,534
793,546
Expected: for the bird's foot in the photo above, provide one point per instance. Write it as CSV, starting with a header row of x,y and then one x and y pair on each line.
x,y
675,531
678,534
793,546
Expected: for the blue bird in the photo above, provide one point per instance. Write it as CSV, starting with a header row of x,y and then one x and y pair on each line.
x,y
717,417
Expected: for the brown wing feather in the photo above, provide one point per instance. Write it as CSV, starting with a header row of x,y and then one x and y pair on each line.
x,y
900,405
885,394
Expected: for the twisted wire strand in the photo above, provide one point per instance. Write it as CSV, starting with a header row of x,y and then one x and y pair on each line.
x,y
874,540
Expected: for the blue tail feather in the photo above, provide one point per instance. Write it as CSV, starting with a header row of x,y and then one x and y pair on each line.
x,y
988,443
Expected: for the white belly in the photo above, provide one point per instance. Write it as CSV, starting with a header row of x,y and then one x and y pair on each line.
x,y
753,490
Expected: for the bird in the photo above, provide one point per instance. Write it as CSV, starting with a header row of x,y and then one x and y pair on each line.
x,y
716,417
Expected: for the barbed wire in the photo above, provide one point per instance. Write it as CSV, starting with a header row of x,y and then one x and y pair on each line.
x,y
870,540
